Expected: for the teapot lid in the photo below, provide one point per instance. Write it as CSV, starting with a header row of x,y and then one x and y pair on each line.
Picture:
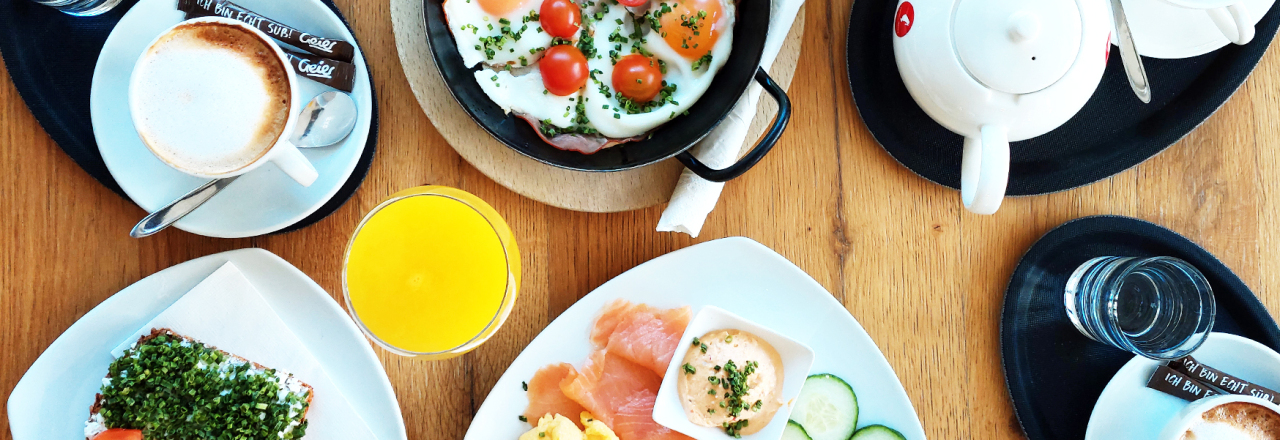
x,y
1017,46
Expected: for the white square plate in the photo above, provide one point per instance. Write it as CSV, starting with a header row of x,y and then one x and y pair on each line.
x,y
796,361
51,401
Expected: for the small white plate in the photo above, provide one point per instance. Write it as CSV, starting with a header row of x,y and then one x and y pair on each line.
x,y
743,277
1127,409
1162,30
51,401
260,202
797,359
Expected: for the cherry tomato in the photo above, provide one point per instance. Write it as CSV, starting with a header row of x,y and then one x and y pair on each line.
x,y
560,18
564,69
120,434
637,77
632,3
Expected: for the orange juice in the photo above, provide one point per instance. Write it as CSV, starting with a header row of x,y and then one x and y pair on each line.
x,y
432,271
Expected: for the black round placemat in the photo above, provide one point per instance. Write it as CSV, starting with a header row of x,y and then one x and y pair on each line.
x,y
1113,132
50,57
1054,373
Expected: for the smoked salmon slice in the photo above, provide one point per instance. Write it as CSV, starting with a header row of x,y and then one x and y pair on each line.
x,y
621,394
606,383
634,420
642,334
619,382
545,396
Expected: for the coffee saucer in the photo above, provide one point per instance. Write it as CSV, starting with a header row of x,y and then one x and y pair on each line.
x,y
1162,30
260,202
1128,409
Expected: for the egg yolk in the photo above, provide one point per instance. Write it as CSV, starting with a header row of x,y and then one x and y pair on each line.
x,y
500,8
692,27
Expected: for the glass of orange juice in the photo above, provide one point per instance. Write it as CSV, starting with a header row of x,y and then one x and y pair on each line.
x,y
431,272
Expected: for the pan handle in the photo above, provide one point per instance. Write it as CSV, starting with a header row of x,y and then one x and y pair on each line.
x,y
752,157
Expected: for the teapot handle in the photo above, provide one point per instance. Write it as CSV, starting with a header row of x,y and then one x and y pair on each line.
x,y
984,171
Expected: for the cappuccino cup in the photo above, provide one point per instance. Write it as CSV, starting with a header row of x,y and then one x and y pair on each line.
x,y
214,98
1226,417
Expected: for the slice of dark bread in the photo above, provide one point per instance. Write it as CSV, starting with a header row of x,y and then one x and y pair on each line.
x,y
97,401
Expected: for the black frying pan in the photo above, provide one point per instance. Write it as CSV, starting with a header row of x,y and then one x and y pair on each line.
x,y
671,139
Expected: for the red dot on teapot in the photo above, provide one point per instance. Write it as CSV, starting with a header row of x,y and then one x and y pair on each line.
x,y
1107,56
905,17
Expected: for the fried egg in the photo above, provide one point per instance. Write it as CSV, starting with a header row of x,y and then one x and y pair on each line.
x,y
693,32
524,94
709,49
497,32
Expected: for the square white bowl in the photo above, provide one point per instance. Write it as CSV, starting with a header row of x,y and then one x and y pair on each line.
x,y
797,359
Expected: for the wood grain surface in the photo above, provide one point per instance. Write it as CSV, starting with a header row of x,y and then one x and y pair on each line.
x,y
924,277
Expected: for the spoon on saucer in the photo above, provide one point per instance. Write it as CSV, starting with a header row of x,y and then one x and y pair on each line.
x,y
325,121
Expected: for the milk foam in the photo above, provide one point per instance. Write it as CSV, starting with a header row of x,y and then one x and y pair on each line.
x,y
209,108
1235,421
1221,431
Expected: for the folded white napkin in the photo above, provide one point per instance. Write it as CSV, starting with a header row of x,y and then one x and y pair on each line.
x,y
694,198
227,312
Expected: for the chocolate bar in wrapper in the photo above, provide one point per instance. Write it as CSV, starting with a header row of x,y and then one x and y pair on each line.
x,y
1222,381
336,74
1178,384
325,47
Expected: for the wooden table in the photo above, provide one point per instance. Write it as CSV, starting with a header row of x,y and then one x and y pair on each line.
x,y
923,276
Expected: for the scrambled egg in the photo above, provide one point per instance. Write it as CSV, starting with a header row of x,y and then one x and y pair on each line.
x,y
555,427
596,430
558,427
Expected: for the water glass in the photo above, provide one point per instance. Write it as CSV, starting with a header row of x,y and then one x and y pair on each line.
x,y
1161,308
81,8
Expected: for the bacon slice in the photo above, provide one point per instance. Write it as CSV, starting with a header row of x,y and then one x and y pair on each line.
x,y
582,143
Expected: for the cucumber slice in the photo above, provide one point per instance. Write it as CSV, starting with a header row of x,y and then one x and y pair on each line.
x,y
877,432
827,408
794,431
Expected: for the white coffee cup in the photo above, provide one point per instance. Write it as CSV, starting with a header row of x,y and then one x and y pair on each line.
x,y
1231,17
282,152
1191,417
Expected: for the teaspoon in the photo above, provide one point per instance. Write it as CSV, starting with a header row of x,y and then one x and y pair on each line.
x,y
325,121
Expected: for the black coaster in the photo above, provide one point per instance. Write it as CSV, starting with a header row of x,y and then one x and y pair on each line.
x,y
1054,373
50,57
1113,132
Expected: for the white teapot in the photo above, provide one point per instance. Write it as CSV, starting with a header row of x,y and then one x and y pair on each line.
x,y
996,71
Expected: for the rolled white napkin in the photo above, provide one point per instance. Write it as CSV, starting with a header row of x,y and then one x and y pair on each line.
x,y
694,198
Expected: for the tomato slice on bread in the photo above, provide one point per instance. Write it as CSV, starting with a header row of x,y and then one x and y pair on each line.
x,y
119,434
